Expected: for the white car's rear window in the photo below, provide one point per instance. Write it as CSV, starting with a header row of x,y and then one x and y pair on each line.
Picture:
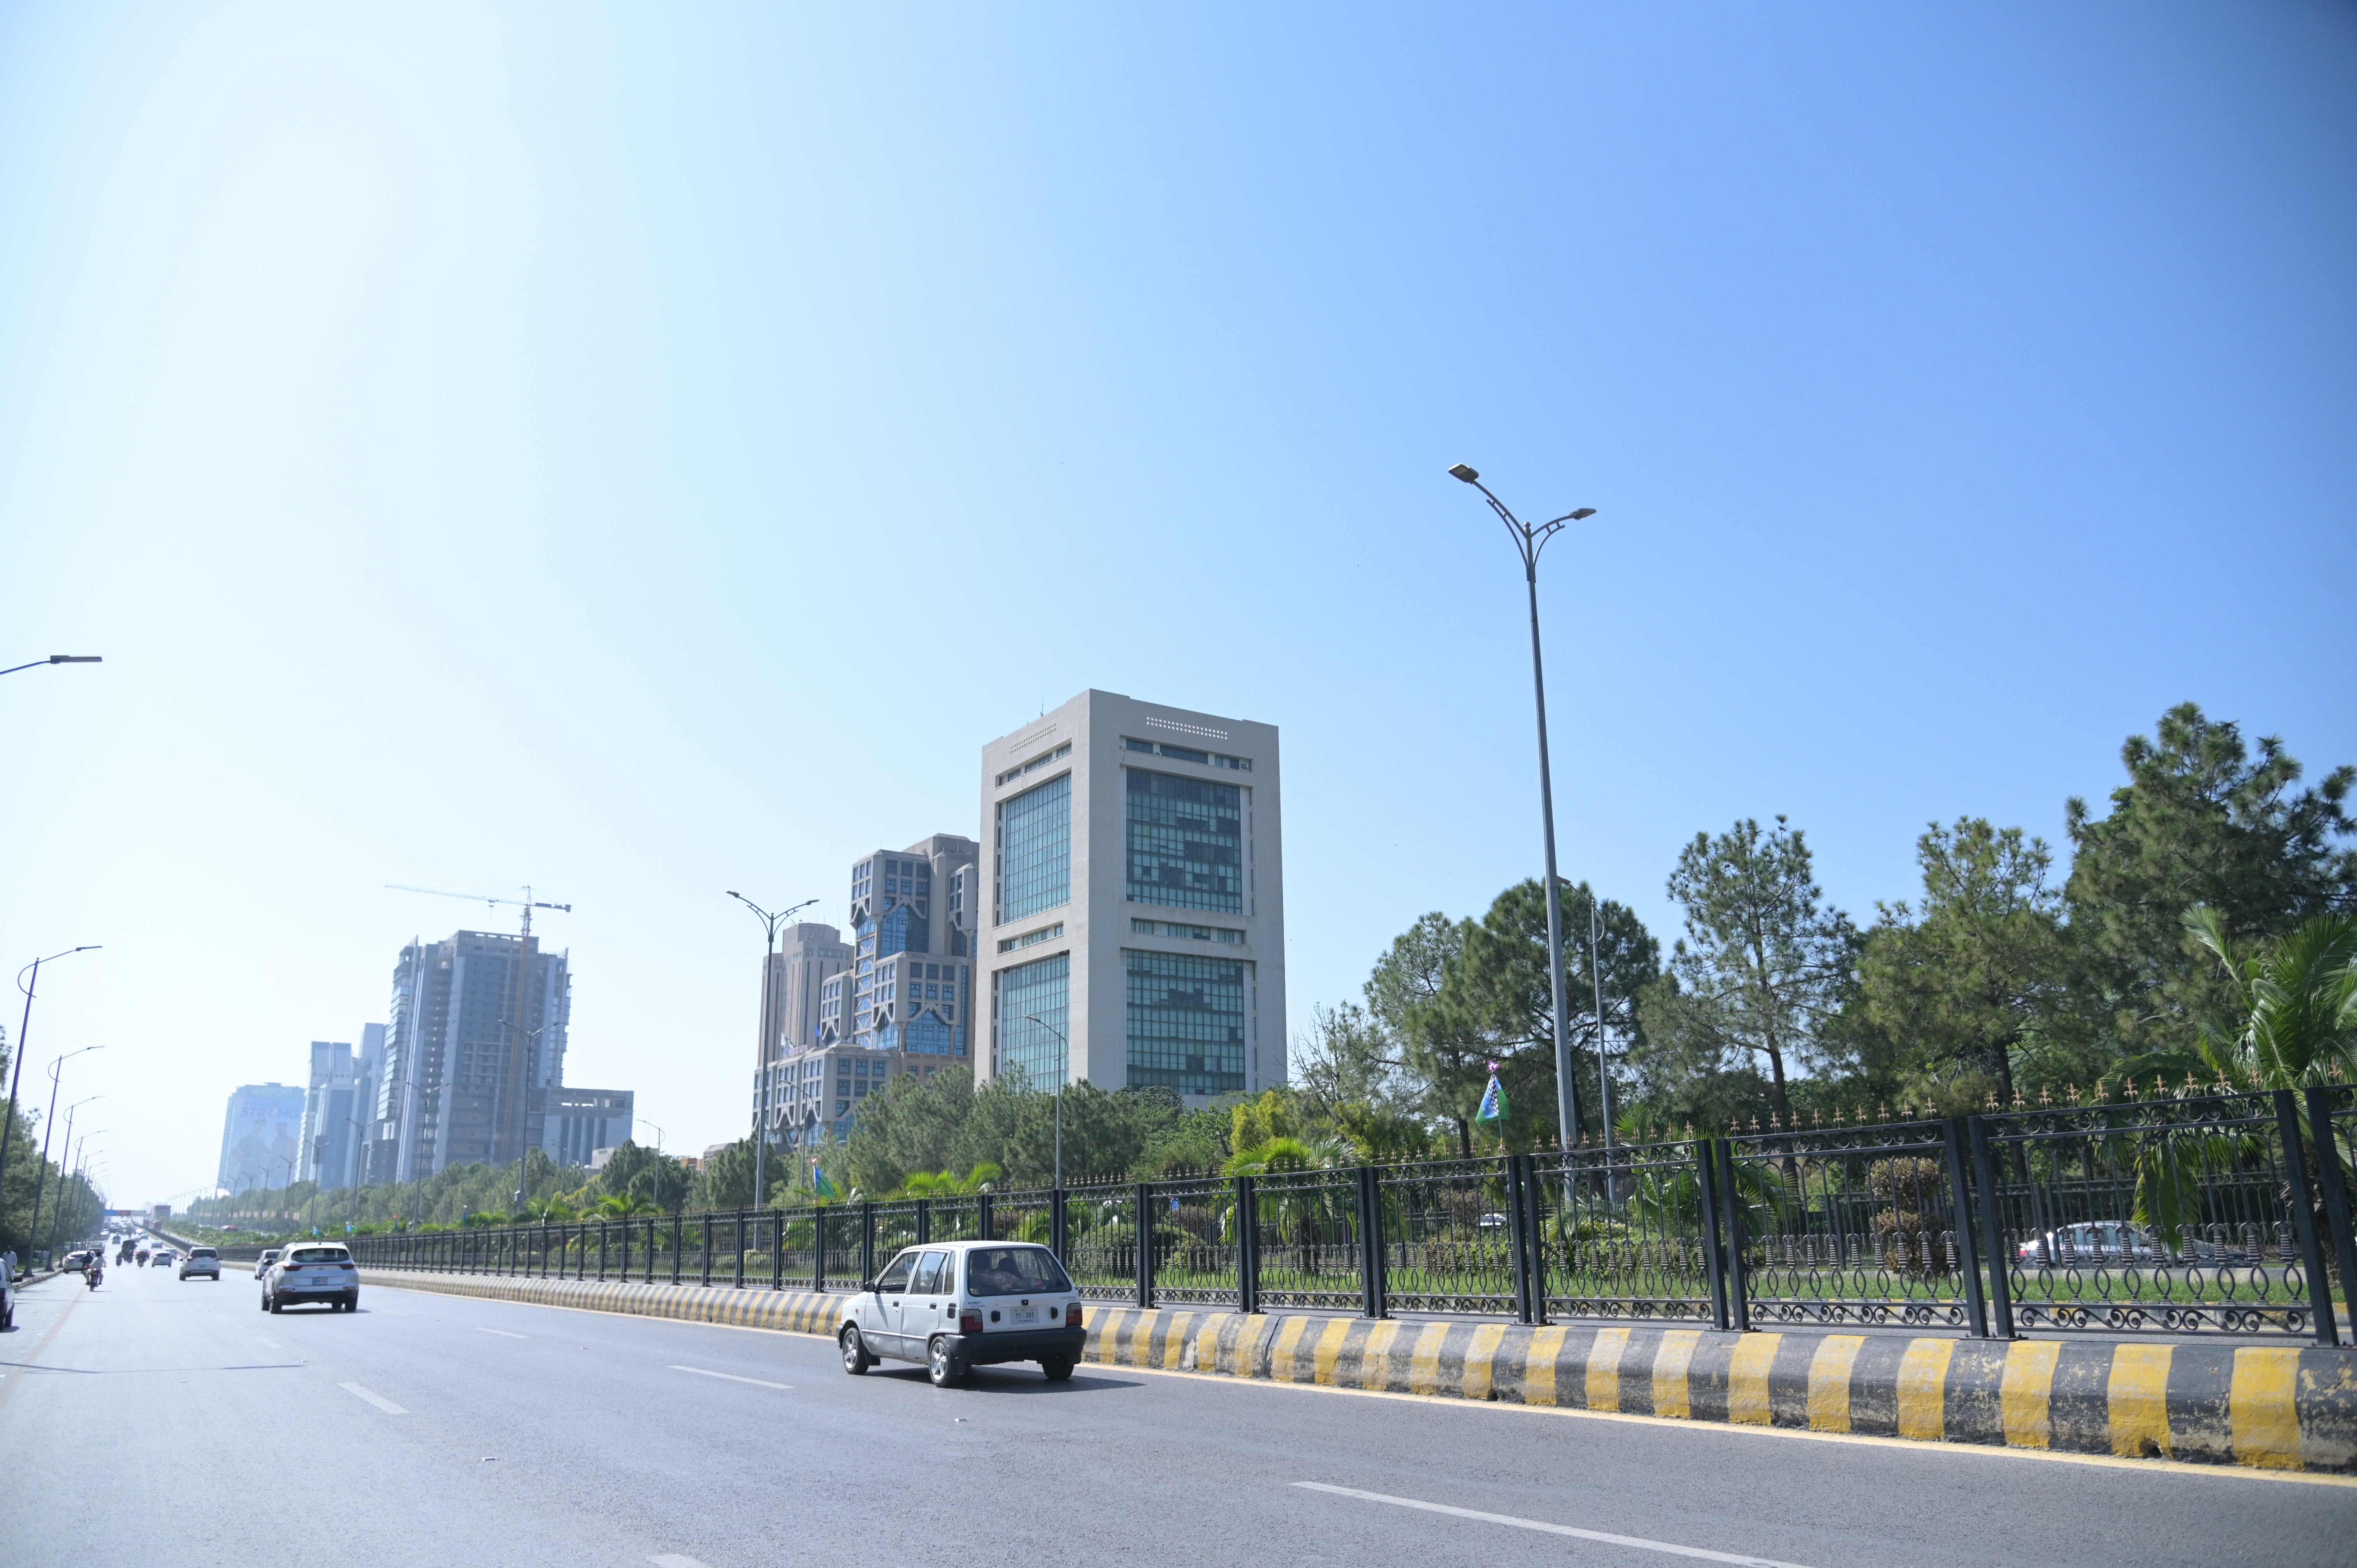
x,y
318,1256
1014,1271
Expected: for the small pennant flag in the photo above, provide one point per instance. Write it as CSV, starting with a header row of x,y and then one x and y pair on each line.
x,y
1493,1099
818,1180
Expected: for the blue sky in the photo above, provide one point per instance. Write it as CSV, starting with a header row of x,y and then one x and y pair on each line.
x,y
643,452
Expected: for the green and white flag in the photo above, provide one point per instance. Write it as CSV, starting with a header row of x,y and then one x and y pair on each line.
x,y
1493,1099
818,1180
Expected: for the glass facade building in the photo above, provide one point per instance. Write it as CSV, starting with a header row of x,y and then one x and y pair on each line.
x,y
1035,833
1186,1021
1041,990
1186,843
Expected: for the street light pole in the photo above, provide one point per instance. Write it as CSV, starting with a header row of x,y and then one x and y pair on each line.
x,y
1061,1078
49,1124
1530,540
17,1069
56,659
770,923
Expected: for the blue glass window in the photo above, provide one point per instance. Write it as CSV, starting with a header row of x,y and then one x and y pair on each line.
x,y
900,930
1035,849
1186,843
927,1036
1044,990
1186,1021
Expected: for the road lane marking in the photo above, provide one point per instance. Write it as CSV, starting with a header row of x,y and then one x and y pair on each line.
x,y
1638,1542
500,1332
675,1559
377,1399
269,1342
757,1382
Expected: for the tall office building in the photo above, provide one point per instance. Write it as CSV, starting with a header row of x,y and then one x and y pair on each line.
x,y
808,955
262,1137
474,1051
337,1106
903,1004
1133,899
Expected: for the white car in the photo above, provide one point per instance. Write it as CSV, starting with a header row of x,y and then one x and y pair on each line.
x,y
205,1260
956,1306
315,1271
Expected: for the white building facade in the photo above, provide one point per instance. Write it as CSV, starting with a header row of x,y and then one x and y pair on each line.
x,y
1129,900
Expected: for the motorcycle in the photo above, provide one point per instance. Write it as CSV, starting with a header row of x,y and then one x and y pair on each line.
x,y
92,1276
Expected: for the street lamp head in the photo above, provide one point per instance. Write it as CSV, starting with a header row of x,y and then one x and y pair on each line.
x,y
1586,512
76,659
1465,471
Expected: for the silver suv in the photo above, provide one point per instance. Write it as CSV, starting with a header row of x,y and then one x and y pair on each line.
x,y
314,1272
205,1260
956,1306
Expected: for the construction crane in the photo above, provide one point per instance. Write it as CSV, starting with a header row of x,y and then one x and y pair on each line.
x,y
525,903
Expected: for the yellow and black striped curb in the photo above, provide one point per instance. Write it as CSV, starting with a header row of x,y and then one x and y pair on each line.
x,y
789,1311
2288,1408
2278,1408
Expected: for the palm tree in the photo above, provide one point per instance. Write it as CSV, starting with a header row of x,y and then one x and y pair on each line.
x,y
2297,998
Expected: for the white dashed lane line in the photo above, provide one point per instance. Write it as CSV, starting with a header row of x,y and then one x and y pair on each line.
x,y
731,1377
1637,1542
500,1332
675,1559
377,1399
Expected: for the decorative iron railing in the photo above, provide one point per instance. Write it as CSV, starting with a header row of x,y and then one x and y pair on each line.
x,y
2225,1213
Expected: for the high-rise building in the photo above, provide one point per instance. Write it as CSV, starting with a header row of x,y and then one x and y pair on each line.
x,y
474,1051
583,1121
338,1106
808,955
262,1137
904,1002
1131,920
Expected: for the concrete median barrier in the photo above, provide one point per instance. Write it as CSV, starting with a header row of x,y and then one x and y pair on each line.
x,y
2271,1407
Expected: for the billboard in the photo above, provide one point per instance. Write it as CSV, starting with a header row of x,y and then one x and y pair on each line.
x,y
263,1137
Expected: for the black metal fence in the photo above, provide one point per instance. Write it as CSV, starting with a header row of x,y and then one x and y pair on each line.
x,y
1987,1225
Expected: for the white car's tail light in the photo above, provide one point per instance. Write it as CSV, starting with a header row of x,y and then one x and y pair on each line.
x,y
970,1320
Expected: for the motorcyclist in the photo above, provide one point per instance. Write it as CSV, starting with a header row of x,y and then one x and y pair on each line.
x,y
95,1271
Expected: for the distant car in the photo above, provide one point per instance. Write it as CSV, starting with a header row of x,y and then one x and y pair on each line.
x,y
2117,1243
261,1265
166,1258
956,1306
202,1261
74,1261
315,1271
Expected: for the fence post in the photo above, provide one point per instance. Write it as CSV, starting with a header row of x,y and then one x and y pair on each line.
x,y
1517,1240
818,1247
2335,1188
2303,1221
1960,1215
1535,1189
1714,1262
1991,1203
601,1252
924,1220
867,1241
986,1219
1738,1293
1370,1255
1247,1223
1145,1245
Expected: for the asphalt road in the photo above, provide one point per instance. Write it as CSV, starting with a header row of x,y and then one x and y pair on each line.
x,y
156,1419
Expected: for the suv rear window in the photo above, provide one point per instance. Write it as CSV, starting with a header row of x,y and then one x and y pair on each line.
x,y
202,1252
318,1256
1014,1271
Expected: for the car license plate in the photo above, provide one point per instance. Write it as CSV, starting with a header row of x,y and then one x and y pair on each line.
x,y
1023,1315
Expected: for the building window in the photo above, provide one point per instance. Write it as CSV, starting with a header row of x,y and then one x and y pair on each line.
x,y
1035,850
1185,932
1041,990
1032,939
1186,1021
902,929
1186,843
1187,754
